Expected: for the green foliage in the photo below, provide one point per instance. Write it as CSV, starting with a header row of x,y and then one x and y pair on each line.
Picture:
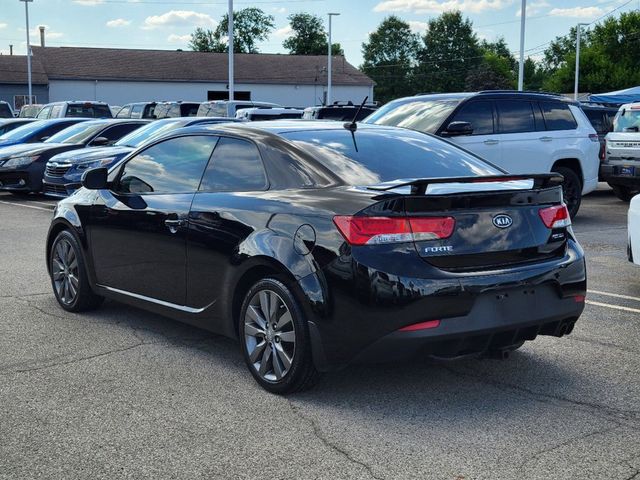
x,y
389,58
250,26
494,72
309,36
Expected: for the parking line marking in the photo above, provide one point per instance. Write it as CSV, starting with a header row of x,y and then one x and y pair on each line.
x,y
28,206
616,295
615,307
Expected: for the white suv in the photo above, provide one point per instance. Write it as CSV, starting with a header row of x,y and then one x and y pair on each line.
x,y
520,132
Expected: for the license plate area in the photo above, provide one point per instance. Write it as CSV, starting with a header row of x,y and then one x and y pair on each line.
x,y
627,171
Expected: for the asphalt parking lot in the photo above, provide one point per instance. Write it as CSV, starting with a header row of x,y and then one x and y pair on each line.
x,y
121,393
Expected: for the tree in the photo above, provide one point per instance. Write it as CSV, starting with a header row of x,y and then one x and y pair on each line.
x,y
250,26
494,72
451,50
389,58
534,75
309,36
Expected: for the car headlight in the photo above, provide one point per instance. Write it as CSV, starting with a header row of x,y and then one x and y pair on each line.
x,y
21,161
104,162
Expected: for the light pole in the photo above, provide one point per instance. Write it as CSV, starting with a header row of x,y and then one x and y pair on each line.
x,y
26,14
230,33
523,18
329,99
575,86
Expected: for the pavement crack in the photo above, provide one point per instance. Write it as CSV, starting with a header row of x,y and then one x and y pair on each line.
x,y
30,304
329,444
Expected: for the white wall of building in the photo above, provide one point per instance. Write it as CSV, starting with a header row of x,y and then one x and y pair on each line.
x,y
121,92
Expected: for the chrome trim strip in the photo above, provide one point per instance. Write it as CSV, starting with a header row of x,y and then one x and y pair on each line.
x,y
182,308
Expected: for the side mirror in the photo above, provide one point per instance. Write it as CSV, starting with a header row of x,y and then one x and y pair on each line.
x,y
95,179
100,141
456,129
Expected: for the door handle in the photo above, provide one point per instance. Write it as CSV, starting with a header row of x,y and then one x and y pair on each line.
x,y
491,142
174,224
545,139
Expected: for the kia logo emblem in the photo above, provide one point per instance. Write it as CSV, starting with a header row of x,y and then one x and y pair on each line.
x,y
502,221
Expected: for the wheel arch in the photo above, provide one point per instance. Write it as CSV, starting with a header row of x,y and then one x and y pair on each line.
x,y
58,226
572,163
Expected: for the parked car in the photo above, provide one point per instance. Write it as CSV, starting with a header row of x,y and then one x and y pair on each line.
x,y
37,131
5,110
176,109
29,111
621,165
139,110
601,119
228,108
633,249
114,110
75,109
63,172
268,113
319,246
520,132
340,111
6,125
22,166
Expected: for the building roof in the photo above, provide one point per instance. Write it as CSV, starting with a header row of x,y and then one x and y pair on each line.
x,y
81,63
13,69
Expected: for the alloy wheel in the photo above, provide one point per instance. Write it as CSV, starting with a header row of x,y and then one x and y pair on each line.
x,y
65,271
269,335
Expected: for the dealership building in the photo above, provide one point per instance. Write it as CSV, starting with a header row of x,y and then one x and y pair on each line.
x,y
119,76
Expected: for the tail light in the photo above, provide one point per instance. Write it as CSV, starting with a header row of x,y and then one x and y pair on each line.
x,y
378,230
556,216
603,148
594,137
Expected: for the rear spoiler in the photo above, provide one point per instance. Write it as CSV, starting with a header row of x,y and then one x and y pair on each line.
x,y
419,186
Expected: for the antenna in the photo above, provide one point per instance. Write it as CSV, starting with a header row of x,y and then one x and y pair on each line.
x,y
352,126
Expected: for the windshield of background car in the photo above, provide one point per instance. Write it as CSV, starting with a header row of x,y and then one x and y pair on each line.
x,y
24,131
139,136
78,133
5,111
88,111
422,115
629,119
388,154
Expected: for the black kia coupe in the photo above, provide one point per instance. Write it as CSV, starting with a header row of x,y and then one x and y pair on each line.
x,y
319,244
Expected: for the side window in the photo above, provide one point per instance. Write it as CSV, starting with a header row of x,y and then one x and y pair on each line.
x,y
558,116
44,113
125,112
479,115
136,111
515,116
52,130
174,111
55,111
116,132
597,120
235,166
172,166
537,113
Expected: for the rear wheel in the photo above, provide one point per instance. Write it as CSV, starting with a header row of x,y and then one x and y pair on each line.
x,y
69,276
571,189
275,338
623,193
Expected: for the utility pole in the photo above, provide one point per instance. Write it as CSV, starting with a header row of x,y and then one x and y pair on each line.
x,y
575,86
329,54
230,33
26,14
523,18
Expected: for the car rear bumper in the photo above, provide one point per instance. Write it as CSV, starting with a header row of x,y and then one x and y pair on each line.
x,y
477,312
612,174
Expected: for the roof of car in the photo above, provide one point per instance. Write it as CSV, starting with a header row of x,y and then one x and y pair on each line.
x,y
5,121
115,121
490,94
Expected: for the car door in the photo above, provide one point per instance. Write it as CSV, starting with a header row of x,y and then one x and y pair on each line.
x,y
523,139
138,229
221,216
483,141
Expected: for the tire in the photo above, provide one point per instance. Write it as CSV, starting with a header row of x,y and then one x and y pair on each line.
x,y
623,193
571,189
69,275
267,350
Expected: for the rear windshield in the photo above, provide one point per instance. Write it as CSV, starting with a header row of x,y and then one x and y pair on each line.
x,y
274,116
24,131
344,114
139,136
422,115
627,120
384,155
88,111
76,134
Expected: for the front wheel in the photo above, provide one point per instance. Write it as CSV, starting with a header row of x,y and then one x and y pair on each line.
x,y
571,189
69,276
623,193
275,338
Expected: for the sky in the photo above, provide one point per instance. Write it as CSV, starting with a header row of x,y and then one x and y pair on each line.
x,y
166,24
